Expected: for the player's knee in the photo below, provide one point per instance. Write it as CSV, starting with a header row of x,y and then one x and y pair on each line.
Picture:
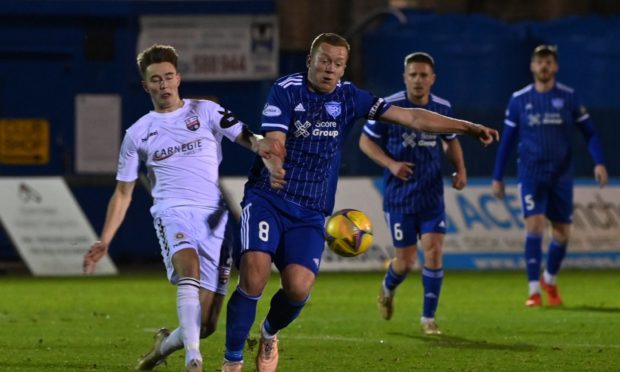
x,y
434,250
432,256
561,233
561,238
535,224
185,263
403,265
250,291
297,293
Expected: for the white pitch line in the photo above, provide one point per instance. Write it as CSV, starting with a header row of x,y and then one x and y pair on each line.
x,y
151,330
446,341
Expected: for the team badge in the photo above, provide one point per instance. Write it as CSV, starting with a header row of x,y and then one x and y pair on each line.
x,y
333,109
583,110
192,123
557,103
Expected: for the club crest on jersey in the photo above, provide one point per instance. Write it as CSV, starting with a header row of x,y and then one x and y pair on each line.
x,y
180,239
333,109
192,123
557,103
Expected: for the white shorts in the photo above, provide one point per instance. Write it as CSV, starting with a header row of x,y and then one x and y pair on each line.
x,y
202,230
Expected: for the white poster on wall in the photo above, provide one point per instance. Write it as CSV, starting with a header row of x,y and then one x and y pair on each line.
x,y
218,47
46,225
97,132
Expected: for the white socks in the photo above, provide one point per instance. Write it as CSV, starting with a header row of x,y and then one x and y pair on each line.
x,y
172,343
549,279
265,334
534,287
188,310
425,320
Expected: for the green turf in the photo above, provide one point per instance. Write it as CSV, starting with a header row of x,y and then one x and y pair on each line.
x,y
104,324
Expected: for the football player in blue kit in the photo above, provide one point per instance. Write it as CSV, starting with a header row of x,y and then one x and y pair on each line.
x,y
413,197
541,118
285,202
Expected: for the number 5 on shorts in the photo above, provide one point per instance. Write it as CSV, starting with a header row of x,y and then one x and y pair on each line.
x,y
528,200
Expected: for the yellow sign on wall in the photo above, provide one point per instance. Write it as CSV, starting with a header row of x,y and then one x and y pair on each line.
x,y
24,141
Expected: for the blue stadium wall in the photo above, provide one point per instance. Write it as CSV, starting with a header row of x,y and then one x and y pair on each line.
x,y
51,51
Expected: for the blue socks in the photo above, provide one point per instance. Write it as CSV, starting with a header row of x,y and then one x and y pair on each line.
x,y
240,315
392,279
282,312
555,256
533,256
431,282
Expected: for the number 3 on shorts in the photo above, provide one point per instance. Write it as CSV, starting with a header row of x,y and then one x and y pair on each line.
x,y
263,231
529,202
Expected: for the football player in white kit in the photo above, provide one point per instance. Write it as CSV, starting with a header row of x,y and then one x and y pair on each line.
x,y
179,142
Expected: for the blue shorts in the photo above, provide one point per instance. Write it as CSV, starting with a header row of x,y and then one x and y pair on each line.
x,y
552,198
290,233
407,227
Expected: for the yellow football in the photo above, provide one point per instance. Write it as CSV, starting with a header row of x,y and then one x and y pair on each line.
x,y
348,232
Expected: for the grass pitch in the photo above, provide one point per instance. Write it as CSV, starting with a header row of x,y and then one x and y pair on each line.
x,y
104,324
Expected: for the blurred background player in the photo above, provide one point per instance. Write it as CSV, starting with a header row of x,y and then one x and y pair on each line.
x,y
541,117
413,196
179,142
285,203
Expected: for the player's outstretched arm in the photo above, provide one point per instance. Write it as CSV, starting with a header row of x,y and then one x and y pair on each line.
x,y
117,208
400,170
264,147
428,121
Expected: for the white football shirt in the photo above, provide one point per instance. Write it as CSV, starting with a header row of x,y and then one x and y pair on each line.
x,y
182,153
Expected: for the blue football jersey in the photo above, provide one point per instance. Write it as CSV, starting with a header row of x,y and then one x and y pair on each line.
x,y
424,190
545,123
316,126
